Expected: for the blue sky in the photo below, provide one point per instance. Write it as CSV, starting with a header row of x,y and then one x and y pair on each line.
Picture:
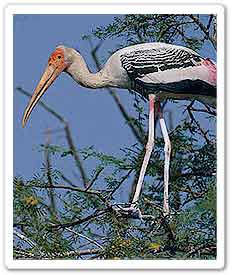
x,y
93,116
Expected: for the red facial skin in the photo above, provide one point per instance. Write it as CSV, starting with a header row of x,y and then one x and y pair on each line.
x,y
57,57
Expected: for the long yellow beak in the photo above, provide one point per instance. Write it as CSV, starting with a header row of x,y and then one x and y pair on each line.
x,y
50,74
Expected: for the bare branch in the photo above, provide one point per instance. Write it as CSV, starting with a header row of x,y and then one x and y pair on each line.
x,y
138,134
22,254
204,29
24,238
42,104
75,253
94,178
72,147
96,214
85,237
75,154
210,21
208,111
76,189
121,181
204,133
49,177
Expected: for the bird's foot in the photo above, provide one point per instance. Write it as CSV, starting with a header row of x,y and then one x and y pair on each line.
x,y
131,211
166,209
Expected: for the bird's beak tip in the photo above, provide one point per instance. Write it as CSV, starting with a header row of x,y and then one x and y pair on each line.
x,y
23,124
24,121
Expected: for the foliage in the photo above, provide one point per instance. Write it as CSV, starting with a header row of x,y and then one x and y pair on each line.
x,y
59,218
168,28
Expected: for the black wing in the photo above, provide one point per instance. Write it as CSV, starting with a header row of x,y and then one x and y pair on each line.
x,y
141,62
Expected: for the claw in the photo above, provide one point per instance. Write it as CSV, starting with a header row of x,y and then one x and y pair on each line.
x,y
130,211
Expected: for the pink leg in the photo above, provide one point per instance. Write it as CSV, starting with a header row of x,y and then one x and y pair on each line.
x,y
167,155
149,148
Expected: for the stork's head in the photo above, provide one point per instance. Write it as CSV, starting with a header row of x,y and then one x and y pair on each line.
x,y
57,63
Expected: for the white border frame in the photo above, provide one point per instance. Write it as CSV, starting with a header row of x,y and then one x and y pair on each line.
x,y
111,8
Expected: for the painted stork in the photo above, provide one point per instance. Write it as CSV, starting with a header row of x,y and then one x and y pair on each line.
x,y
157,71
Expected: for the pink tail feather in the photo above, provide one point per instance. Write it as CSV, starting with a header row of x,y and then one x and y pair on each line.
x,y
212,69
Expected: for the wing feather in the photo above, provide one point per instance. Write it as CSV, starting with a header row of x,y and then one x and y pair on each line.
x,y
138,63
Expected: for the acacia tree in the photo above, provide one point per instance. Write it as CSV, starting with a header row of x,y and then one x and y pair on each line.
x,y
55,217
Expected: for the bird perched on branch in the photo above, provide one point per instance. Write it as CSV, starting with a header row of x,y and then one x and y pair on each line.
x,y
157,71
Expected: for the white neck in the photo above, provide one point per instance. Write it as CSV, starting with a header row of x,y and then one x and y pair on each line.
x,y
81,74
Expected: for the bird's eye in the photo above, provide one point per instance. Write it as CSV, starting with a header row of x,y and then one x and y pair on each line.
x,y
59,56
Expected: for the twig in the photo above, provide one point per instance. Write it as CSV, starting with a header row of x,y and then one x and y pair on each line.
x,y
23,254
188,108
42,104
96,214
24,238
67,132
209,22
75,253
94,178
75,154
49,177
176,25
67,180
120,183
208,111
204,29
85,237
137,134
76,189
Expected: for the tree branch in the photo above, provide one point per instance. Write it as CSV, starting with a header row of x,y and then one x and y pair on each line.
x,y
76,189
96,214
68,135
49,176
94,178
42,104
85,237
137,134
204,29
75,154
204,133
22,254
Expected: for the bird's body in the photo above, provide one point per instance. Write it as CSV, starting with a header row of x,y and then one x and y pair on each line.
x,y
168,70
157,71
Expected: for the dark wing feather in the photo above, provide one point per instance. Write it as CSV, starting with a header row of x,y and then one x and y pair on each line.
x,y
141,62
